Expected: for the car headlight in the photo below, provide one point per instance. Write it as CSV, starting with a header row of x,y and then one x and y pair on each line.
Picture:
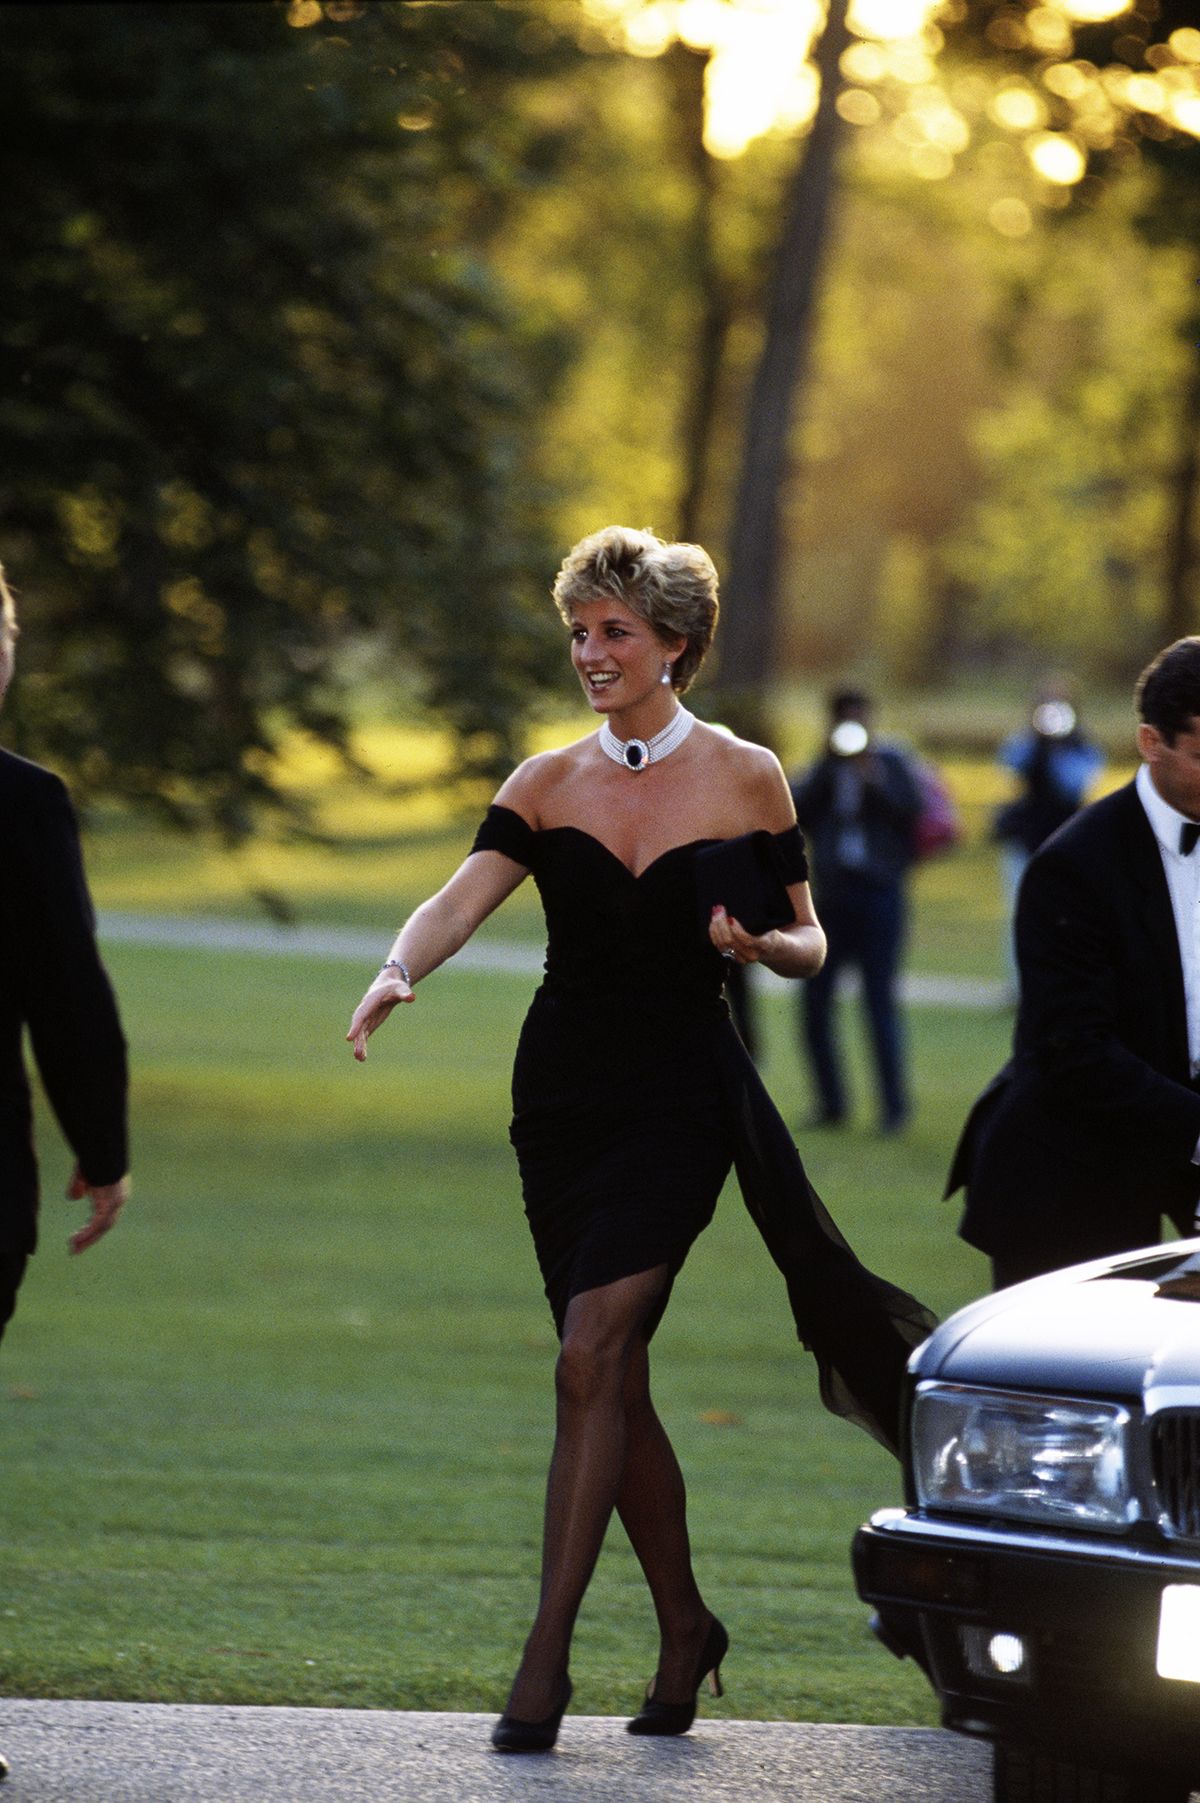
x,y
1051,1459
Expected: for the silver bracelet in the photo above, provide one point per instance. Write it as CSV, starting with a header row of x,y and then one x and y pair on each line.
x,y
395,964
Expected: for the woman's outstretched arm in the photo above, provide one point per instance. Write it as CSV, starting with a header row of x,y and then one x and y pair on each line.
x,y
433,933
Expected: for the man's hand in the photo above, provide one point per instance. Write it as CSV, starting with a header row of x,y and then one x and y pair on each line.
x,y
108,1199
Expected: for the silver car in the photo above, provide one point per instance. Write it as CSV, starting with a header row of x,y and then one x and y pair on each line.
x,y
1045,1572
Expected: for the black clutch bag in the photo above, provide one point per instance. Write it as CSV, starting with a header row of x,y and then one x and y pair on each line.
x,y
743,876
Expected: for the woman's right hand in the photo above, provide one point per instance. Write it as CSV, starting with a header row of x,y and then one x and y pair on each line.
x,y
383,995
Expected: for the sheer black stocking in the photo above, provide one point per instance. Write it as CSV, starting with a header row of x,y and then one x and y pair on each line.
x,y
610,1450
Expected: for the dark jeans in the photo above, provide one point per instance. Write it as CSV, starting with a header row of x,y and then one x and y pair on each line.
x,y
864,924
12,1269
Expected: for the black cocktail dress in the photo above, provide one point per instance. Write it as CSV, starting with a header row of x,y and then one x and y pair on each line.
x,y
633,1096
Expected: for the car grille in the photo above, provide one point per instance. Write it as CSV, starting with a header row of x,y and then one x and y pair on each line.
x,y
1175,1451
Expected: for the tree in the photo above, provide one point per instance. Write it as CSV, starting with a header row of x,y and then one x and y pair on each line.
x,y
261,392
747,659
686,69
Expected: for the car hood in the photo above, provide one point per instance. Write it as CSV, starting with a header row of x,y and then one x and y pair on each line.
x,y
1126,1327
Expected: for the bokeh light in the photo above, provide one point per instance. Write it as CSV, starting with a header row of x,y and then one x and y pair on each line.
x,y
1094,12
1145,92
760,79
701,23
1069,80
1018,108
864,62
759,76
1049,31
859,107
1057,157
889,18
650,30
1184,111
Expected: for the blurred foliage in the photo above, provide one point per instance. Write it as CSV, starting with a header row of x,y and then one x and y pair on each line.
x,y
1063,548
1086,535
603,251
332,324
263,393
962,285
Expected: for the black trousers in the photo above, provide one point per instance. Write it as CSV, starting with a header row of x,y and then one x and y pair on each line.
x,y
12,1269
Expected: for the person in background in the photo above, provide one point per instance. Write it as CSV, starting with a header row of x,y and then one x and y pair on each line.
x,y
1091,1132
1056,764
53,984
858,806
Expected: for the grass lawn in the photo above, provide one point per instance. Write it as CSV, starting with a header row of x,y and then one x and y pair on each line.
x,y
282,1437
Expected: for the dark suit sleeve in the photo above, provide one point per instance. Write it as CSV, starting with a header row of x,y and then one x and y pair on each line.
x,y
65,994
1088,1012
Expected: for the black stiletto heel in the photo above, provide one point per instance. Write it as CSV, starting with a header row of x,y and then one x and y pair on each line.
x,y
511,1735
677,1718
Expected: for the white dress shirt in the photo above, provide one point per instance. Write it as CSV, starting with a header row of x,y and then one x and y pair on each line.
x,y
1183,881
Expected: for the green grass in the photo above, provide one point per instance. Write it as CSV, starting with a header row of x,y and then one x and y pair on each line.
x,y
282,1437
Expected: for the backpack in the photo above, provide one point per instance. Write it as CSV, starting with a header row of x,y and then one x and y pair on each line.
x,y
937,827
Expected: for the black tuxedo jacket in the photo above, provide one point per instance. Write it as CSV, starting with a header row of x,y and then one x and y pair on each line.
x,y
53,983
1085,1139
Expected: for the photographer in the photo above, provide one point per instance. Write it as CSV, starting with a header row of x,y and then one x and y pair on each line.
x,y
858,806
1056,765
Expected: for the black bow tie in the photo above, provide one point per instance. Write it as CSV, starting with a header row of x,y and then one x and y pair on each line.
x,y
1189,832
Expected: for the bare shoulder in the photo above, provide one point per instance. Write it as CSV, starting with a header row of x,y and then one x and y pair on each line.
x,y
531,788
752,777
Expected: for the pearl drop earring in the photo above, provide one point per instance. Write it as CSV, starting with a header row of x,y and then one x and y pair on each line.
x,y
666,675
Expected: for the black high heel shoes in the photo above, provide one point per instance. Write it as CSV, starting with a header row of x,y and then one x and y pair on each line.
x,y
511,1735
677,1718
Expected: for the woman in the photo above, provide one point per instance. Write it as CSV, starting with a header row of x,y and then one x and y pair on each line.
x,y
633,1095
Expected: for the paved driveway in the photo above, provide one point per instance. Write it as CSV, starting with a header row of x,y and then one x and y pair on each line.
x,y
157,1753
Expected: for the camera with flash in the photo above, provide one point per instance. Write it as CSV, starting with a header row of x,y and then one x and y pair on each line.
x,y
1054,719
849,738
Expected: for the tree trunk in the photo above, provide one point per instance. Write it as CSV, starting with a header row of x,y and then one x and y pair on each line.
x,y
686,72
1181,610
748,631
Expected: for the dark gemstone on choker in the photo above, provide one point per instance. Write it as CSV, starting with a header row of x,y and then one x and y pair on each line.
x,y
633,754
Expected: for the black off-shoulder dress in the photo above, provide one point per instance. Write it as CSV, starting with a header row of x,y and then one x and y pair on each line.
x,y
633,1096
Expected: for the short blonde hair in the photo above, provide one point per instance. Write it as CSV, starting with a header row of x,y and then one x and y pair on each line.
x,y
673,587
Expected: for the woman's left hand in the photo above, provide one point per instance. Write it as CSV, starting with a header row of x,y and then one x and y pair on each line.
x,y
735,943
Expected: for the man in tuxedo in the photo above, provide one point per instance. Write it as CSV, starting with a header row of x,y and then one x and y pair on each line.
x,y
1091,1132
53,983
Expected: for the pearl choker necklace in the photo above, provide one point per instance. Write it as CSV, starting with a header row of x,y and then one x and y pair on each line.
x,y
635,754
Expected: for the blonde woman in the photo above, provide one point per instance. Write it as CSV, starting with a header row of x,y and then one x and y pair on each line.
x,y
632,1094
